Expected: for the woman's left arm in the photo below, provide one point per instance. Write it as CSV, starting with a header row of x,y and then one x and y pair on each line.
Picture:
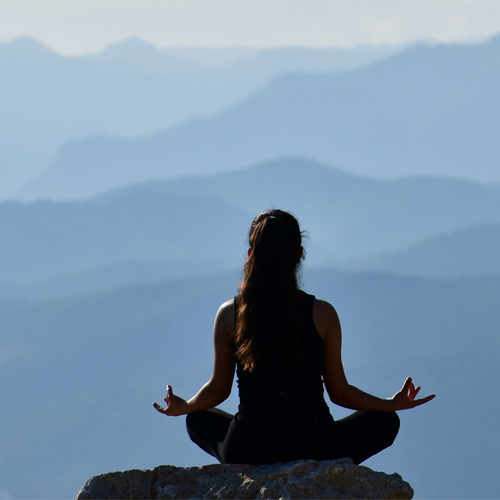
x,y
218,388
340,391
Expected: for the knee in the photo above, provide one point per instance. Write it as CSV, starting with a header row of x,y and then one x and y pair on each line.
x,y
387,425
393,424
195,426
193,420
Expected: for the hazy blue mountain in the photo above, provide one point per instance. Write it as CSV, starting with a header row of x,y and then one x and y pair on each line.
x,y
148,57
84,372
45,239
179,227
47,99
427,110
285,58
21,158
113,276
27,51
260,65
130,88
270,63
20,163
214,57
469,251
346,215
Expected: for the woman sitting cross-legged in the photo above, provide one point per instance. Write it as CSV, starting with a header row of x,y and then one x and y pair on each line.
x,y
285,346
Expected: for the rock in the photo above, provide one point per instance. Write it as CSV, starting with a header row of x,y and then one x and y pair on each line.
x,y
300,479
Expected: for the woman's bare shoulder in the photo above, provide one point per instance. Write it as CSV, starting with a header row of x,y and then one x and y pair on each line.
x,y
225,314
325,317
322,307
227,306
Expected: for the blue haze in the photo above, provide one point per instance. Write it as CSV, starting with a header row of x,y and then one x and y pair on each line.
x,y
428,110
86,371
111,273
131,88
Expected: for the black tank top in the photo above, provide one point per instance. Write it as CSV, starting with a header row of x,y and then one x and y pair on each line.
x,y
268,393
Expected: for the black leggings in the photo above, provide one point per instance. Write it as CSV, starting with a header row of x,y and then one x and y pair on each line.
x,y
358,436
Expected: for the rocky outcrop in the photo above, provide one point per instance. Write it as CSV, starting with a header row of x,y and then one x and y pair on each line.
x,y
301,479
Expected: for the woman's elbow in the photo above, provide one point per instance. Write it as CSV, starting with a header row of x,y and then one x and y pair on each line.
x,y
338,395
227,392
222,394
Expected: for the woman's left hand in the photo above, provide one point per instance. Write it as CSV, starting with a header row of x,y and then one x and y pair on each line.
x,y
175,404
405,398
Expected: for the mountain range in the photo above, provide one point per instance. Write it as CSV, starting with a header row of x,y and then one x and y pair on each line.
x,y
115,262
47,239
469,251
198,224
130,88
428,110
346,215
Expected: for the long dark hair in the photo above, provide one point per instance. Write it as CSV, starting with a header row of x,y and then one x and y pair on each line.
x,y
267,321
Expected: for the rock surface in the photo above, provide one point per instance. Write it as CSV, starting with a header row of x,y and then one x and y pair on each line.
x,y
301,479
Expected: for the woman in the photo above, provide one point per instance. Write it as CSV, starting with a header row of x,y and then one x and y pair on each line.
x,y
285,345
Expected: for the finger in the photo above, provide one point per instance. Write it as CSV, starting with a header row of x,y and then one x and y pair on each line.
x,y
406,385
169,394
422,401
159,408
413,392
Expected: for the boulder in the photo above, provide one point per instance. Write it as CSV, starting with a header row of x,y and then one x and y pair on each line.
x,y
300,479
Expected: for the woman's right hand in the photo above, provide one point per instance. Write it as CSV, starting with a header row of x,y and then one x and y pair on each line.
x,y
405,398
175,404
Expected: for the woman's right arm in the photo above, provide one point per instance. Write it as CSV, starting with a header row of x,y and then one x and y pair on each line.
x,y
218,388
340,391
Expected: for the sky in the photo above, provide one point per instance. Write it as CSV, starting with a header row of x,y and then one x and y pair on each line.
x,y
86,26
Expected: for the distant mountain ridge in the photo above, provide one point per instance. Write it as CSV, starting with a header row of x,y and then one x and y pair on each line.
x,y
203,220
143,55
263,64
428,110
45,239
130,88
469,251
345,214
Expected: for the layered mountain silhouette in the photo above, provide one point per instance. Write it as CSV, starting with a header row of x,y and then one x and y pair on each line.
x,y
259,65
47,239
346,215
469,251
130,88
428,110
199,224
112,271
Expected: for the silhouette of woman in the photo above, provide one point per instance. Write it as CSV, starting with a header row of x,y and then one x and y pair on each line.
x,y
285,345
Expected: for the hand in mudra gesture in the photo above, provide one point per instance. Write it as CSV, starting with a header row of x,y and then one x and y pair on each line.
x,y
175,404
405,398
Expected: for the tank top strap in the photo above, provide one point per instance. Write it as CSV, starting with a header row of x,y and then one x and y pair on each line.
x,y
308,329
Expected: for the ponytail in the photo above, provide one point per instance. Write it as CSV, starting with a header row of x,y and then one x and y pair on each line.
x,y
267,320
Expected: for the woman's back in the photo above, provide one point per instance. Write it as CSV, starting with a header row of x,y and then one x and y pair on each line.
x,y
282,414
276,383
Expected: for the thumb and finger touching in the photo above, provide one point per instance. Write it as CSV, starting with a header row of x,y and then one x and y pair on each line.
x,y
411,392
167,400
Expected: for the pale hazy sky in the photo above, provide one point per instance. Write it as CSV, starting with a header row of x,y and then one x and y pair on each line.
x,y
82,26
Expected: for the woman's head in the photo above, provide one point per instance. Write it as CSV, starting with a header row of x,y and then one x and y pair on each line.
x,y
269,295
275,236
